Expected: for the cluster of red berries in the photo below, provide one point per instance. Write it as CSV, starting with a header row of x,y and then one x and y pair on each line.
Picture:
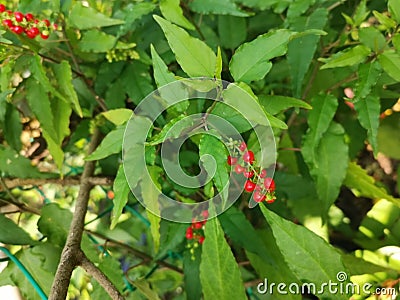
x,y
195,234
195,230
257,180
20,23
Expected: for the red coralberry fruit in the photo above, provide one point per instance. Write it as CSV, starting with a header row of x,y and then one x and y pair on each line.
x,y
110,194
258,196
189,233
7,23
272,200
32,33
242,146
269,184
249,186
239,169
205,213
17,29
248,174
232,160
19,16
44,36
201,239
28,17
263,173
47,22
248,157
2,8
197,225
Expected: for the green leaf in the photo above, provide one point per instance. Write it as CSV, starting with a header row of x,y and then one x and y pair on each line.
x,y
111,144
213,155
39,103
302,50
384,20
61,112
97,41
172,129
251,60
394,9
276,104
86,17
372,38
234,117
241,232
368,111
54,223
12,127
12,234
64,79
348,57
172,11
331,164
232,31
271,265
219,272
151,189
163,77
390,62
118,116
319,261
368,75
221,7
145,289
319,120
361,13
363,185
243,100
14,165
121,192
194,56
111,267
388,137
41,262
191,274
136,81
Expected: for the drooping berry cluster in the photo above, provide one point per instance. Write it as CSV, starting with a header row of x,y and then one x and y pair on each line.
x,y
257,180
27,24
195,233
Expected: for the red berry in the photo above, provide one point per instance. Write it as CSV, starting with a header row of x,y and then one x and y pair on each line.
x,y
18,29
272,200
249,186
269,184
239,169
110,195
7,23
248,174
248,157
197,225
263,173
205,214
44,36
55,26
47,22
189,233
258,196
242,146
201,239
28,17
9,12
231,160
2,8
19,16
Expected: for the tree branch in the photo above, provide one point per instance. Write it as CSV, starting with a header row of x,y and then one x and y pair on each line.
x,y
72,254
97,274
11,183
